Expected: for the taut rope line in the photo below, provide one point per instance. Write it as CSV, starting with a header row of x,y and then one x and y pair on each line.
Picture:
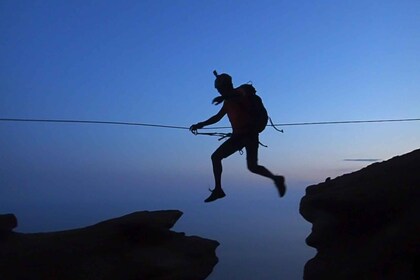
x,y
215,127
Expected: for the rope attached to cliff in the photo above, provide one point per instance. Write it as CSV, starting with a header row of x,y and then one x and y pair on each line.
x,y
74,121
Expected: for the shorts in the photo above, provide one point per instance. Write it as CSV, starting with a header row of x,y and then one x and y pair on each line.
x,y
236,143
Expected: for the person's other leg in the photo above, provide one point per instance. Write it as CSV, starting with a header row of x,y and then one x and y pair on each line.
x,y
251,146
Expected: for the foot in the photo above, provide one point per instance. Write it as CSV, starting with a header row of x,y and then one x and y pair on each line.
x,y
215,194
281,187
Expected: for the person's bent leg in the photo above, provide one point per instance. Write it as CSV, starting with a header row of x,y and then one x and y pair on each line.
x,y
226,149
251,146
216,161
259,169
252,163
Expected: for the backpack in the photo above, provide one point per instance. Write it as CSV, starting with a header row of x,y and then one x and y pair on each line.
x,y
258,112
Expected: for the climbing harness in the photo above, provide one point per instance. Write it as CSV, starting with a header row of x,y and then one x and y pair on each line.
x,y
221,135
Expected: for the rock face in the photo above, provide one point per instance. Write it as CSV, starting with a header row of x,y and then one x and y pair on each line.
x,y
366,225
136,246
7,223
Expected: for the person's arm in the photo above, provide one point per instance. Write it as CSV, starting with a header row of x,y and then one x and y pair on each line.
x,y
212,120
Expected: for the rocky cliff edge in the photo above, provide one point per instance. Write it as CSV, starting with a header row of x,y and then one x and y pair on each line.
x,y
136,246
366,225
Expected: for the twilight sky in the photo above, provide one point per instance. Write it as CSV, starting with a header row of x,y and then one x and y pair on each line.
x,y
151,61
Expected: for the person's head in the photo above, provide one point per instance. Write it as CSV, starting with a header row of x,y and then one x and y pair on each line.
x,y
223,83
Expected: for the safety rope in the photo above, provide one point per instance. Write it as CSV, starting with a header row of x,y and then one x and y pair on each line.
x,y
274,126
215,127
221,135
92,122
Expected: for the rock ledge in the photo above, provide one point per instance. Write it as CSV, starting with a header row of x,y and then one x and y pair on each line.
x,y
366,224
136,246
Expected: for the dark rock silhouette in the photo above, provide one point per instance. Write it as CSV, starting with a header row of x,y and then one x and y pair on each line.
x,y
366,225
7,223
136,246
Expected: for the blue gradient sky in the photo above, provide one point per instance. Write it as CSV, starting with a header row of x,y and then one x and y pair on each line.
x,y
152,61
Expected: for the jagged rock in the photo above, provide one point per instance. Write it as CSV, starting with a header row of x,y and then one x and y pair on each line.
x,y
7,223
136,246
366,224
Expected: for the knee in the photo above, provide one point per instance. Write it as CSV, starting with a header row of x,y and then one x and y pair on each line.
x,y
252,166
216,157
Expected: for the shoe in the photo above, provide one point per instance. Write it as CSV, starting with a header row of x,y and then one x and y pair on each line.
x,y
281,187
215,194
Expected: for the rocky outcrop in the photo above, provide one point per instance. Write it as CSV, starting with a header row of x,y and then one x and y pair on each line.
x,y
366,225
136,246
7,223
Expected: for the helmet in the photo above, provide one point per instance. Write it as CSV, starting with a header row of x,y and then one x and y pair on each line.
x,y
223,80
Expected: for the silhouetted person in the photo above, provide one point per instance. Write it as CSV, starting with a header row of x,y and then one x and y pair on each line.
x,y
244,135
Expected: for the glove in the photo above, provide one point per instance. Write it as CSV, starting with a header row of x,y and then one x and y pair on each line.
x,y
196,126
